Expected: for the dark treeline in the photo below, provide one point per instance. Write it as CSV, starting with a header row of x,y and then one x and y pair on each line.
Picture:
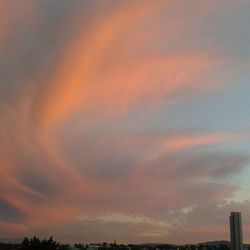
x,y
50,244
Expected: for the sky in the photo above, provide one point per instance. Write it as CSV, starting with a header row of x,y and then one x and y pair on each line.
x,y
124,120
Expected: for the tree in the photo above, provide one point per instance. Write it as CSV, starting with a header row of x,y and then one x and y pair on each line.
x,y
37,244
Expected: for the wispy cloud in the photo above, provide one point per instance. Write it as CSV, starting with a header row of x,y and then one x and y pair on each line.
x,y
79,83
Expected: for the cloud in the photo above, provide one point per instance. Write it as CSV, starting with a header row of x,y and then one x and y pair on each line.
x,y
12,229
13,15
182,143
9,213
71,85
98,71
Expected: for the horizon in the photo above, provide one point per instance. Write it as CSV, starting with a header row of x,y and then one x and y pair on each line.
x,y
124,120
19,240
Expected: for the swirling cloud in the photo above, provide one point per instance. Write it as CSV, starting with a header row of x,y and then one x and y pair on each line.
x,y
84,87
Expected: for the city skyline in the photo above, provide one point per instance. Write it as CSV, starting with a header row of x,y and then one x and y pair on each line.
x,y
124,119
235,228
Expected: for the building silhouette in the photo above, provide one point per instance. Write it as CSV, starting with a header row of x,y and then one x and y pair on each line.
x,y
236,231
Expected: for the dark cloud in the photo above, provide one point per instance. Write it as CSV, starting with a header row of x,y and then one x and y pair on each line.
x,y
9,213
38,182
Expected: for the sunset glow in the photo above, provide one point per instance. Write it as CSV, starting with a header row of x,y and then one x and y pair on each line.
x,y
124,120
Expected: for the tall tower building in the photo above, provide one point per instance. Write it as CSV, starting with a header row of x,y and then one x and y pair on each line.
x,y
236,231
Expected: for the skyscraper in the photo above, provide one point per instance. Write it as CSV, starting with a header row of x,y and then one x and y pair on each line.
x,y
236,231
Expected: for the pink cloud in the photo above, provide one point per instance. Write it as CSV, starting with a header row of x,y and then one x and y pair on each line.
x,y
182,142
12,229
13,16
105,70
96,72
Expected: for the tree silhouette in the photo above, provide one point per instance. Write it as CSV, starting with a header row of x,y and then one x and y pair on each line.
x,y
37,244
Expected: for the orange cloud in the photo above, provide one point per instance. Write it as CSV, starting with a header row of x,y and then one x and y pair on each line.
x,y
76,74
99,72
108,68
186,142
